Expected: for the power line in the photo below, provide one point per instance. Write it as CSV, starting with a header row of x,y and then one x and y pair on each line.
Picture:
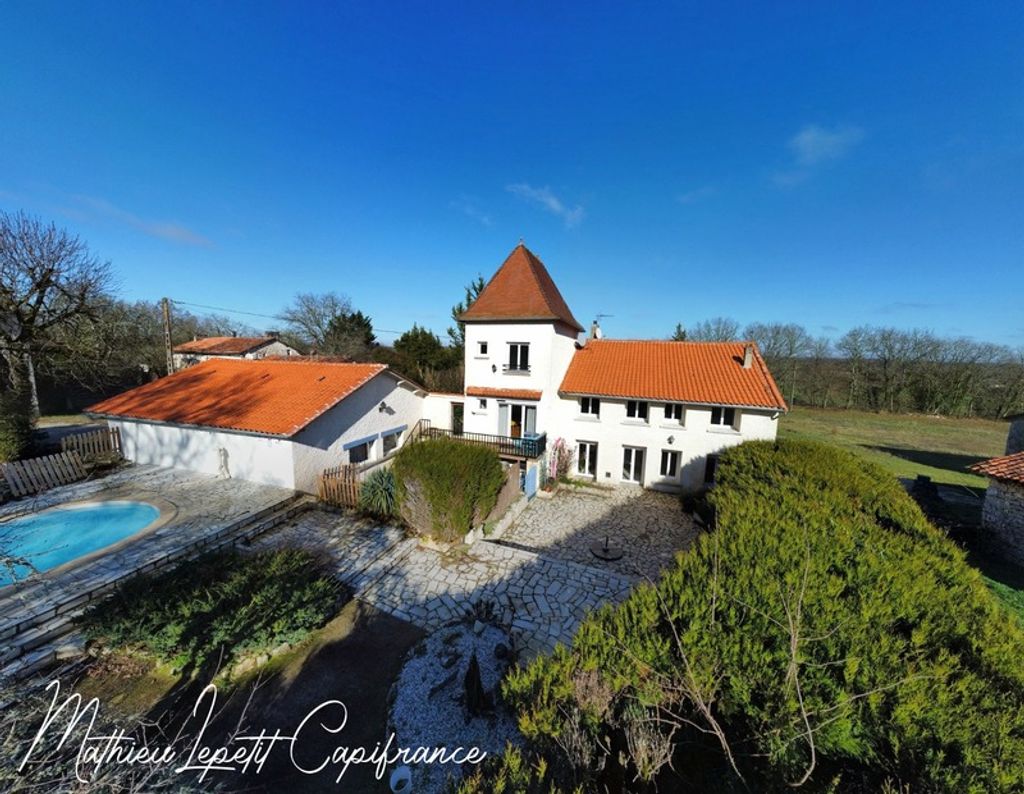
x,y
257,314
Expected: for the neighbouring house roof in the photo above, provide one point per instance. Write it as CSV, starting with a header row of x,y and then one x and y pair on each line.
x,y
511,394
522,289
225,345
276,398
1008,467
706,373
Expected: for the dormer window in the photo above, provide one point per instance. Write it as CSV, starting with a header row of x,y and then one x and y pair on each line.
x,y
590,406
518,357
636,409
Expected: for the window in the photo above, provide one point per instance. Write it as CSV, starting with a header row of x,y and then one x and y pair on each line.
x,y
483,404
636,409
483,348
669,463
633,464
586,458
391,442
518,357
674,412
590,405
359,453
723,417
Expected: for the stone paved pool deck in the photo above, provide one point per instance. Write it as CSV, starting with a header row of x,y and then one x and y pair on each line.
x,y
196,509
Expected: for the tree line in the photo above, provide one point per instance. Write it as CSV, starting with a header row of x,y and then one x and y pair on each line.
x,y
66,339
881,368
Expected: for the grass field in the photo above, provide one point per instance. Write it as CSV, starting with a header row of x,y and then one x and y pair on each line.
x,y
907,445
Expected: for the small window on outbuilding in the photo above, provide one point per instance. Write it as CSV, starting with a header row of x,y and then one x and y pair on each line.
x,y
359,453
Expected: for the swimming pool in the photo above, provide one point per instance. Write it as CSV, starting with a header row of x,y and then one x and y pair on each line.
x,y
61,534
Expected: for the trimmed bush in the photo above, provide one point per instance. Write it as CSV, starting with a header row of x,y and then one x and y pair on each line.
x,y
214,608
824,636
445,487
377,493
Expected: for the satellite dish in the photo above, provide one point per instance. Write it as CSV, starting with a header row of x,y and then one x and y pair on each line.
x,y
10,326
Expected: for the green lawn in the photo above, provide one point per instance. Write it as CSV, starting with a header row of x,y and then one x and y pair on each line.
x,y
907,445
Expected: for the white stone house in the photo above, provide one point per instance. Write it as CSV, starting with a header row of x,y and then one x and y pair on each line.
x,y
635,412
249,347
1003,512
277,422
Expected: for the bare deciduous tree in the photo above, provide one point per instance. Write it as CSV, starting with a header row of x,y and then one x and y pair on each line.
x,y
309,316
48,278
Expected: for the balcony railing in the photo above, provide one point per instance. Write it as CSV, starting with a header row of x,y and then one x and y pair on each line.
x,y
530,446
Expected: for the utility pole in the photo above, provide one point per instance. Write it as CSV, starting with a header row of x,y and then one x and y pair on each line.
x,y
165,304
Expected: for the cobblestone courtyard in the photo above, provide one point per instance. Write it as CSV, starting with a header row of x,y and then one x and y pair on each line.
x,y
540,581
649,527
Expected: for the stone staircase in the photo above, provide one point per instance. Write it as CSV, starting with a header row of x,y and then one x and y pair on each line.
x,y
35,639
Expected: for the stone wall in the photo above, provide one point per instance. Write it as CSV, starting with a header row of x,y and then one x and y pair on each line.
x,y
1003,517
1015,440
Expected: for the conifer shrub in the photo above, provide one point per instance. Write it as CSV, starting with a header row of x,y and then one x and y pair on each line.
x,y
15,423
444,487
825,636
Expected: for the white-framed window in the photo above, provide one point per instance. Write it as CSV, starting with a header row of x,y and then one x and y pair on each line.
x,y
636,409
359,453
482,349
674,413
586,458
518,357
590,406
391,442
669,463
723,417
482,403
633,464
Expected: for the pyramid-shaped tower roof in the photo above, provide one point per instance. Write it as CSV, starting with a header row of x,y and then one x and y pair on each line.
x,y
522,289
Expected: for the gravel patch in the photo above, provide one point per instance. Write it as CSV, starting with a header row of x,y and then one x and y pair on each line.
x,y
428,708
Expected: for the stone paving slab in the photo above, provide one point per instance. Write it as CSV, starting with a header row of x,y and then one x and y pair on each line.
x,y
648,526
539,599
203,505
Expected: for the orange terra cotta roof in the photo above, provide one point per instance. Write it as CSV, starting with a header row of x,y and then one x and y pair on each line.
x,y
522,289
1007,467
704,373
270,397
511,394
224,345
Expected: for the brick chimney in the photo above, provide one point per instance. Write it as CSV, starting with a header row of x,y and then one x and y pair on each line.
x,y
748,356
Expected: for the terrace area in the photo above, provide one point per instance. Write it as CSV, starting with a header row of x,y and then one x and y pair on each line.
x,y
526,447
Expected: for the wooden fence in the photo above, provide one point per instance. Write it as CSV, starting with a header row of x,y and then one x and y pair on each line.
x,y
34,475
93,443
339,485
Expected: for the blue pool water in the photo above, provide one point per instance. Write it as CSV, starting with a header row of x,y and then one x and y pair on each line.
x,y
62,534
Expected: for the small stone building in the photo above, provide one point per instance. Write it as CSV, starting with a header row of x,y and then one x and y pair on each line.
x,y
1015,438
1003,513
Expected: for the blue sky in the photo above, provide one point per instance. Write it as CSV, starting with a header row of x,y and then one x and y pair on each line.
x,y
833,166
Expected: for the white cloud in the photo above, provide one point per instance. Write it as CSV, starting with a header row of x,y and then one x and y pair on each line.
x,y
166,230
813,144
543,197
695,195
469,207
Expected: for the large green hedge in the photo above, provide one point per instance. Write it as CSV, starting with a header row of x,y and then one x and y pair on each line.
x,y
444,488
825,636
